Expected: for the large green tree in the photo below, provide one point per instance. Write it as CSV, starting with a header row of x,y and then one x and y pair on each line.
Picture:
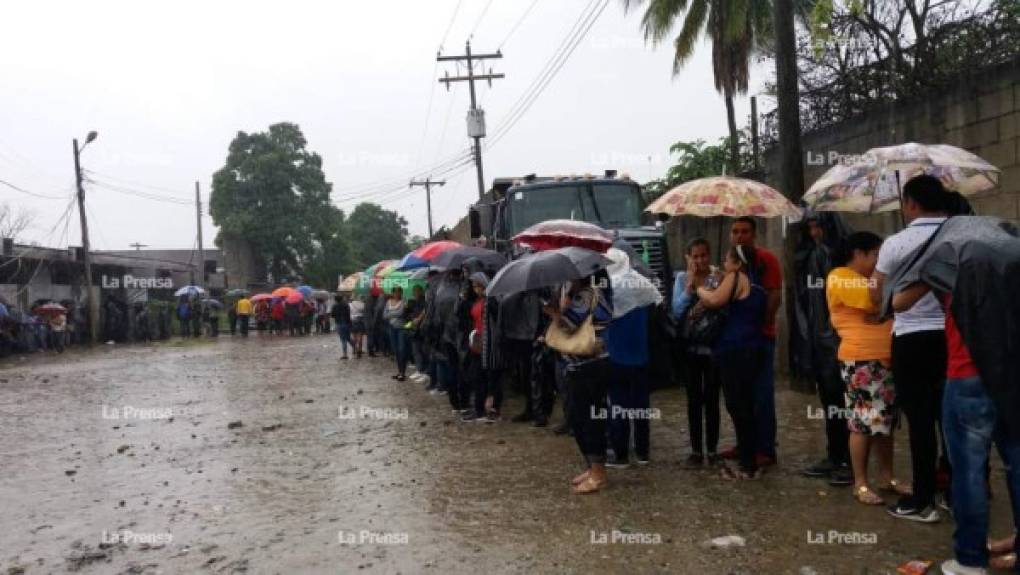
x,y
273,194
736,29
375,234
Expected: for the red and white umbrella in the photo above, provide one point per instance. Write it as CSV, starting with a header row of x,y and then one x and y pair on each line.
x,y
50,308
553,234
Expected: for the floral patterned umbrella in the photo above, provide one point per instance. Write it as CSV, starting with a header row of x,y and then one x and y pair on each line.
x,y
552,234
724,196
872,181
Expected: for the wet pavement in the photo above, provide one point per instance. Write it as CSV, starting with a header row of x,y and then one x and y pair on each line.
x,y
271,455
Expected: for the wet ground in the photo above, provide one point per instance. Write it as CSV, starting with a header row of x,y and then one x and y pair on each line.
x,y
270,455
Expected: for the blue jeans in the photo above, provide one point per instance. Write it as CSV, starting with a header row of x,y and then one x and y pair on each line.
x,y
629,401
765,402
969,425
398,346
344,331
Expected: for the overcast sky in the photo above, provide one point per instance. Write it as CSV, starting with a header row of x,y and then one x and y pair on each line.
x,y
168,87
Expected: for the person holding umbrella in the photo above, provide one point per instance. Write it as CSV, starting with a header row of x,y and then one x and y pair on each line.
x,y
585,304
393,315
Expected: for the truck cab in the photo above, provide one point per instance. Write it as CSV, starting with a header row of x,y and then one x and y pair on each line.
x,y
614,203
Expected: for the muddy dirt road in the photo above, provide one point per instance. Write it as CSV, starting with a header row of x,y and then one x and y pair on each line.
x,y
271,455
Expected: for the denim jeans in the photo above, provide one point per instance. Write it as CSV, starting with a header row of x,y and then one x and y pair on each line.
x,y
344,331
765,402
969,424
398,346
630,401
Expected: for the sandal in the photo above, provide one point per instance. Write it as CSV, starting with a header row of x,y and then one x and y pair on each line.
x,y
589,485
895,486
1001,546
866,496
1003,562
580,478
726,473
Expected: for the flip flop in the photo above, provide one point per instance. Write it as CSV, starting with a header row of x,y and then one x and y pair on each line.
x,y
1003,562
580,478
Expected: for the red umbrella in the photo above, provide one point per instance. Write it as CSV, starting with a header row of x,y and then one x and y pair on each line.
x,y
260,297
50,308
552,234
295,297
283,291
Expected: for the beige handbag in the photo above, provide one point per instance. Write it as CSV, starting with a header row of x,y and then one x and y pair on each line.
x,y
582,342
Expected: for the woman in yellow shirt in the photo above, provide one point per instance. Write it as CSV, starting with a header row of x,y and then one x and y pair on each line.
x,y
865,351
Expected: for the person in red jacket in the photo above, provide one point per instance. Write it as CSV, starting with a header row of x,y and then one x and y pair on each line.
x,y
276,314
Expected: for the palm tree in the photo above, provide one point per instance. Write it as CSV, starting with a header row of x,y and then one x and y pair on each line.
x,y
737,29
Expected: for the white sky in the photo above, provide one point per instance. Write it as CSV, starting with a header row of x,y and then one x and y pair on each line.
x,y
168,87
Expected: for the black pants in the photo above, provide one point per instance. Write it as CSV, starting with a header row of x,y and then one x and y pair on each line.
x,y
243,321
519,353
919,372
630,404
587,385
832,395
232,321
542,381
738,370
458,387
702,402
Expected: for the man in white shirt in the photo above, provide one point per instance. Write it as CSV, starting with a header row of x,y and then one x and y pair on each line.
x,y
918,347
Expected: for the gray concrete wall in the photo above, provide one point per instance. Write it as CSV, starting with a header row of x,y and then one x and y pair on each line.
x,y
980,113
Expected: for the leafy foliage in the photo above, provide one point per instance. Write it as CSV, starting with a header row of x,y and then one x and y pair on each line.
x,y
737,30
854,55
273,194
375,234
696,160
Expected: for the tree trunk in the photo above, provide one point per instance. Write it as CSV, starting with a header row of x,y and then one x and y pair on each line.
x,y
791,166
734,142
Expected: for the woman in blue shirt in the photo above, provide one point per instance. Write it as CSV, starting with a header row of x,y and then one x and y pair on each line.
x,y
739,351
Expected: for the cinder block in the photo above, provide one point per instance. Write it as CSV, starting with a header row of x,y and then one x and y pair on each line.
x,y
981,133
991,105
1009,126
954,137
961,113
1002,205
1009,179
1000,155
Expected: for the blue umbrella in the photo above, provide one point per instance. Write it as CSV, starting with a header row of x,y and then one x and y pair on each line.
x,y
410,262
306,290
189,291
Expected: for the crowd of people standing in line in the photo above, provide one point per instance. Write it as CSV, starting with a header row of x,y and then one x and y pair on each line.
x,y
869,369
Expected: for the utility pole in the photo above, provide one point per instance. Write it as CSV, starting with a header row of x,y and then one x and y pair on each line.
x,y
476,116
93,302
428,183
201,254
138,247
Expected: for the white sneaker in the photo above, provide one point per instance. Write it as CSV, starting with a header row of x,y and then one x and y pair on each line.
x,y
953,567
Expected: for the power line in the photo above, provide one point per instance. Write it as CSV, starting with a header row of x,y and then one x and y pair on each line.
x,y
574,39
24,191
126,182
517,24
479,20
146,195
450,25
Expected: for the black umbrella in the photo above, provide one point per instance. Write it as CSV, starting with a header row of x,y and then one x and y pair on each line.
x,y
454,258
546,268
215,304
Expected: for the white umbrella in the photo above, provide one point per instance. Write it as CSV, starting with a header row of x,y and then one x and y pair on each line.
x,y
872,181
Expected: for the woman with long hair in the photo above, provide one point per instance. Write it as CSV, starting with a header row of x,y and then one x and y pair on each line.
x,y
702,379
739,351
